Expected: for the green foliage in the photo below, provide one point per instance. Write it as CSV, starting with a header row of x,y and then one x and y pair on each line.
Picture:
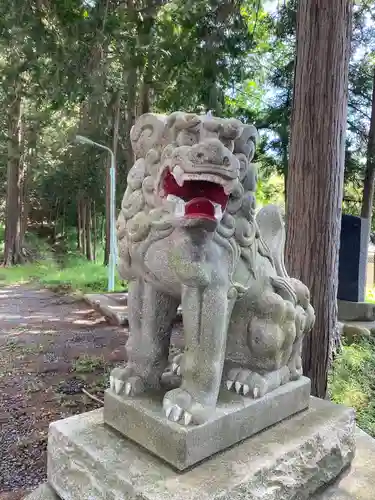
x,y
77,275
88,364
352,382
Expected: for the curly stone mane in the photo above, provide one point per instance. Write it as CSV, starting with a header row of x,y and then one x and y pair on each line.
x,y
143,216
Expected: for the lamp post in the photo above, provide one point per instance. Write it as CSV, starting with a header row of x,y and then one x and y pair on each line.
x,y
112,198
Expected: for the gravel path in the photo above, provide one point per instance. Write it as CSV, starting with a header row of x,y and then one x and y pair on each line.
x,y
50,347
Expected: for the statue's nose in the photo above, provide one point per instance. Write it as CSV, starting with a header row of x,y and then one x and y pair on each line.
x,y
211,151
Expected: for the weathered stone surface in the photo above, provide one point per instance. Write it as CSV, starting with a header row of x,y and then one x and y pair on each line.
x,y
355,311
291,460
44,492
357,482
189,235
112,306
235,418
354,332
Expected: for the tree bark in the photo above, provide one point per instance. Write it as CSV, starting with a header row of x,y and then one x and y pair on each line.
x,y
368,185
94,230
24,181
131,101
316,169
82,208
79,226
12,250
88,224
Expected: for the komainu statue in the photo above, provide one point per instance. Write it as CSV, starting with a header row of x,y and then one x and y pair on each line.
x,y
189,234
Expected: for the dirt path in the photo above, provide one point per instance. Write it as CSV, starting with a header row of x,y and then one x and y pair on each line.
x,y
50,347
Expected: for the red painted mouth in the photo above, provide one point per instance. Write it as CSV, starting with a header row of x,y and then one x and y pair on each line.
x,y
196,199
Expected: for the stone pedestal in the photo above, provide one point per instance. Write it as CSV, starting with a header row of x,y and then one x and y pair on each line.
x,y
234,419
87,460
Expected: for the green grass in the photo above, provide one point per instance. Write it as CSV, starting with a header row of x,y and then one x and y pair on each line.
x,y
370,295
88,364
77,275
71,271
352,381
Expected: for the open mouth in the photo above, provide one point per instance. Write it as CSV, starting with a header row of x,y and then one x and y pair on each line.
x,y
196,196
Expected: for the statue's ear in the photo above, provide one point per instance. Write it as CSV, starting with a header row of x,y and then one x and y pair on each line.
x,y
147,133
247,141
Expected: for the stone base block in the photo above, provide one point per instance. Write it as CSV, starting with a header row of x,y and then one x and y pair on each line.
x,y
87,460
355,311
235,418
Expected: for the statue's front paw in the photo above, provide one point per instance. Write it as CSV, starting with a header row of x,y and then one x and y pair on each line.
x,y
179,406
124,381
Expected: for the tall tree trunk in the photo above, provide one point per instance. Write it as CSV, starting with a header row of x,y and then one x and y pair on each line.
x,y
79,226
82,208
56,226
131,101
94,230
12,250
316,169
368,185
88,227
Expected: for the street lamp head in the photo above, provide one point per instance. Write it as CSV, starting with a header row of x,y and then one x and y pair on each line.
x,y
83,140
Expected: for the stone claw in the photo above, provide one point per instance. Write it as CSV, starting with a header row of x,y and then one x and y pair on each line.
x,y
246,383
123,381
180,407
175,413
187,418
119,385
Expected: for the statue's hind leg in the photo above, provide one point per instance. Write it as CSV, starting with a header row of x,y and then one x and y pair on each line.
x,y
151,314
271,333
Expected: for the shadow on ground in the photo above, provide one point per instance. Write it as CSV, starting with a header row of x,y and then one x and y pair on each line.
x,y
50,347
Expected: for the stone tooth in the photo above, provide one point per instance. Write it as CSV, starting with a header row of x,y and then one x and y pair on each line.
x,y
246,389
229,384
218,212
173,198
128,388
179,210
178,174
229,186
